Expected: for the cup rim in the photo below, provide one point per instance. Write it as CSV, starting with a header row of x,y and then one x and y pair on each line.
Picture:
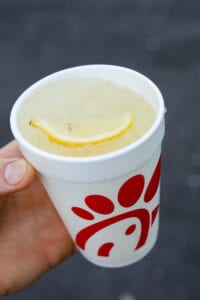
x,y
84,159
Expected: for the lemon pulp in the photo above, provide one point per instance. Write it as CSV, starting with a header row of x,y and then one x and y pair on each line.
x,y
67,114
90,132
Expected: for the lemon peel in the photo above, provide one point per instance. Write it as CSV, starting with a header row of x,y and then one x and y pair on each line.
x,y
118,126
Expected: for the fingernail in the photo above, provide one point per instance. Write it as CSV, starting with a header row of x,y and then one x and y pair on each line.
x,y
15,171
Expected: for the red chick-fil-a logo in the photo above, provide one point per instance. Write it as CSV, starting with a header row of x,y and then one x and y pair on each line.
x,y
128,195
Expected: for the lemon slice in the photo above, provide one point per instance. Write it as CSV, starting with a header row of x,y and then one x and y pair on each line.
x,y
88,132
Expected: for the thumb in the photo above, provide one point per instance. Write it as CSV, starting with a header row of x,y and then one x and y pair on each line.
x,y
15,174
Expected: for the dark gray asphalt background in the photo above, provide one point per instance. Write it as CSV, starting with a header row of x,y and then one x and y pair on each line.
x,y
162,40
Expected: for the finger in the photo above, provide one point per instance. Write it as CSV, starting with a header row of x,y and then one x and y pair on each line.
x,y
15,175
10,150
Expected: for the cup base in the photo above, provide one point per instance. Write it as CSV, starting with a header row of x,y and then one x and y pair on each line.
x,y
123,263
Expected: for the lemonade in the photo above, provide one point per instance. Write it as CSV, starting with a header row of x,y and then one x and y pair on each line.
x,y
84,117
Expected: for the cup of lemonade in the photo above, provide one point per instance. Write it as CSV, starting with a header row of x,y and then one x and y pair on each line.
x,y
94,135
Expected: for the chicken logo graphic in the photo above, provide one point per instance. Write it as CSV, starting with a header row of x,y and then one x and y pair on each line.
x,y
128,195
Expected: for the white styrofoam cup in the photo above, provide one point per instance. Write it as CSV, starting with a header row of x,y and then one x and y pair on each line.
x,y
109,202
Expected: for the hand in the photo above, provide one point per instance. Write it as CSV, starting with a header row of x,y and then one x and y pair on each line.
x,y
33,238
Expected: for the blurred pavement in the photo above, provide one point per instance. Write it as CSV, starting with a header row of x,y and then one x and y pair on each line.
x,y
162,40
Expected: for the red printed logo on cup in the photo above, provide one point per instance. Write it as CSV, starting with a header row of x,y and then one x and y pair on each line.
x,y
128,195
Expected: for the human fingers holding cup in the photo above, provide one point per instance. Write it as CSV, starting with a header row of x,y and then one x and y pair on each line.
x,y
33,238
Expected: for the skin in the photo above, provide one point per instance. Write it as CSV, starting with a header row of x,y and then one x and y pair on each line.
x,y
33,238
